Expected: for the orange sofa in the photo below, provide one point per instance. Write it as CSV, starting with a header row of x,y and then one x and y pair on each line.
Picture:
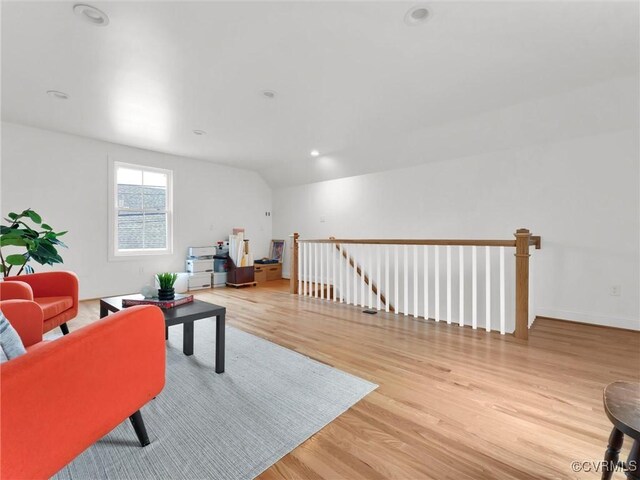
x,y
56,292
64,395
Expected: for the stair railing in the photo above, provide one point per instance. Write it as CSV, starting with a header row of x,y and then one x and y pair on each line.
x,y
443,279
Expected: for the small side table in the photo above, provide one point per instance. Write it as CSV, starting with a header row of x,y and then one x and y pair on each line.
x,y
622,406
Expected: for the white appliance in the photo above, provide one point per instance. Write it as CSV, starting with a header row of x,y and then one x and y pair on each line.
x,y
200,252
198,281
198,266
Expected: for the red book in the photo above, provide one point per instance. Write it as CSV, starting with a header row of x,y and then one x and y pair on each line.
x,y
179,300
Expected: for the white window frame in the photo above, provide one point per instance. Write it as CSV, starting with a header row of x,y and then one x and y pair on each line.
x,y
114,253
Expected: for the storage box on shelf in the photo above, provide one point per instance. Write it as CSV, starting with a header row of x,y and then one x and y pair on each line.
x,y
267,271
199,281
240,276
219,279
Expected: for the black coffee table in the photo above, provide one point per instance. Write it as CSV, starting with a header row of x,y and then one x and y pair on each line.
x,y
185,315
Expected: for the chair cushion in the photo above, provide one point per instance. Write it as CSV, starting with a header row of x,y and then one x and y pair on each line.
x,y
10,344
52,306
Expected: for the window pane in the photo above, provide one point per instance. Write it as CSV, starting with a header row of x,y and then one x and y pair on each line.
x,y
130,196
138,230
155,179
129,176
130,230
155,198
155,230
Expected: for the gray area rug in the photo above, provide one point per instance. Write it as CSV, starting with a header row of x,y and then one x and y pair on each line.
x,y
229,426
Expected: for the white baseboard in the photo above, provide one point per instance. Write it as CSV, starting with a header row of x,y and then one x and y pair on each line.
x,y
603,320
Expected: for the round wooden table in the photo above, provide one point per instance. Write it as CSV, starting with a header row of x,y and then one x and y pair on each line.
x,y
622,406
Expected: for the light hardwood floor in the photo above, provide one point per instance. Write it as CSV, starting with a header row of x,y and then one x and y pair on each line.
x,y
452,402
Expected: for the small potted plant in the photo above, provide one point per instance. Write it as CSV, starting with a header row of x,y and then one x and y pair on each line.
x,y
166,281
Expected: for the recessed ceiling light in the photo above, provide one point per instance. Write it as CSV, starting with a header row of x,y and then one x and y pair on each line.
x,y
315,153
57,94
270,94
91,15
416,15
199,132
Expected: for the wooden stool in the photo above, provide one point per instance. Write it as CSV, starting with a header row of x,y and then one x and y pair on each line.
x,y
622,406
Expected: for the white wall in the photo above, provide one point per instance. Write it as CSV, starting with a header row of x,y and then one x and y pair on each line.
x,y
581,195
65,179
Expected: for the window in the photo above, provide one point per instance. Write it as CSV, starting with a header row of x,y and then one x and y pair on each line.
x,y
141,220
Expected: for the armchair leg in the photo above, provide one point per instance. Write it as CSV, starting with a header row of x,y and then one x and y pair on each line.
x,y
64,328
138,426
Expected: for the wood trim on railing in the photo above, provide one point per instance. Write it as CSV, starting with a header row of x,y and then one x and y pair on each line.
x,y
535,240
366,279
293,278
396,241
523,240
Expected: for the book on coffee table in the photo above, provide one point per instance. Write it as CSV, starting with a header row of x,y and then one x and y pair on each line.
x,y
180,299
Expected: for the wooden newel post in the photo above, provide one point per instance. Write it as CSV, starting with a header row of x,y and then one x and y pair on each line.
x,y
293,277
523,237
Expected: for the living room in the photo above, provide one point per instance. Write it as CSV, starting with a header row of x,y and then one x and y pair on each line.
x,y
457,186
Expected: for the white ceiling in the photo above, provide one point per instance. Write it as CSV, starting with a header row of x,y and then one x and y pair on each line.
x,y
350,76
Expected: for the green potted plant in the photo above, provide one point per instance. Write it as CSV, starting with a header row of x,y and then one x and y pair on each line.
x,y
27,230
166,281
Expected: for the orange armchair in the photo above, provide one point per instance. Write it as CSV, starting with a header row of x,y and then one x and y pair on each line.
x,y
55,292
50,415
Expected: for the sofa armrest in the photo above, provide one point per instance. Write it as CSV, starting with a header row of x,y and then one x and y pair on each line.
x,y
15,290
51,284
26,317
60,398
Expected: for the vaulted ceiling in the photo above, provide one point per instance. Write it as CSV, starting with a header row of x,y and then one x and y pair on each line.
x,y
349,76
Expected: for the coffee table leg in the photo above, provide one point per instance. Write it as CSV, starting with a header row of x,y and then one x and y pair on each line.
x,y
187,338
220,343
103,311
166,333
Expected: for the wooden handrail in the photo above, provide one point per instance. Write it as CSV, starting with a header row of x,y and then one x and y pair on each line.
x,y
396,241
522,243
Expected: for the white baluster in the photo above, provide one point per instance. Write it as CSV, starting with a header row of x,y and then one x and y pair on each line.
x,y
356,250
370,270
415,281
397,280
436,278
347,274
502,294
303,262
386,277
328,275
378,278
300,257
333,269
340,262
449,284
321,271
405,284
308,247
461,285
474,287
363,253
426,281
487,280
315,270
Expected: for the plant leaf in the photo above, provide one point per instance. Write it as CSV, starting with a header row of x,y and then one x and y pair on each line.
x,y
34,216
46,227
16,259
15,241
13,215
